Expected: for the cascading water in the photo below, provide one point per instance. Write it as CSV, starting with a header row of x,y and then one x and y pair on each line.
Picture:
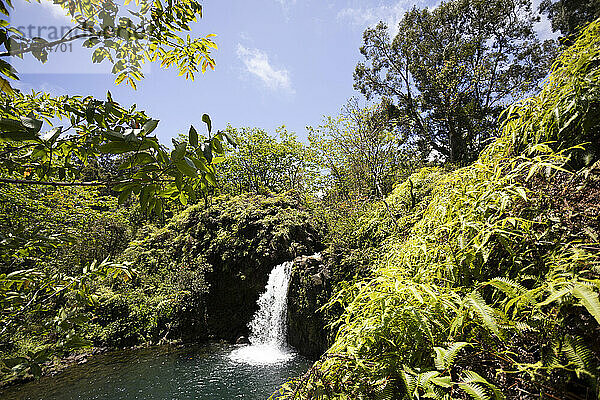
x,y
268,326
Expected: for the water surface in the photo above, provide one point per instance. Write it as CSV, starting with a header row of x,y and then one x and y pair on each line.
x,y
200,373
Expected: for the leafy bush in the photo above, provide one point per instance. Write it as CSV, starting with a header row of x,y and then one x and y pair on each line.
x,y
489,287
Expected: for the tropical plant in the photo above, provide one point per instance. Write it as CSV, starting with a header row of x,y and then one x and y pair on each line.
x,y
124,35
489,288
36,151
262,163
453,69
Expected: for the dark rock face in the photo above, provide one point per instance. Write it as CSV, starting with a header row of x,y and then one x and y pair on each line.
x,y
310,288
219,259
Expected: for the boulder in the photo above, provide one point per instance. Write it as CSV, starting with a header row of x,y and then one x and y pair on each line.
x,y
310,288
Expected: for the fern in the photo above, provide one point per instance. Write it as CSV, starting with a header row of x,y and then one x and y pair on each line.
x,y
474,377
509,287
588,298
577,354
384,391
477,304
444,358
475,390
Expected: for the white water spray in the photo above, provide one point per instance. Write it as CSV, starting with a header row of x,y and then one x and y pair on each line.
x,y
268,326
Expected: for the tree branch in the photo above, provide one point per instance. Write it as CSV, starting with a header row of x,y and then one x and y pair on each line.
x,y
62,184
47,44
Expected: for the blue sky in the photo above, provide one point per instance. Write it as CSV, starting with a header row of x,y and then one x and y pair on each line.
x,y
280,62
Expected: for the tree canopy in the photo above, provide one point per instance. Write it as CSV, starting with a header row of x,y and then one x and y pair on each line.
x,y
361,150
125,35
263,163
451,70
569,17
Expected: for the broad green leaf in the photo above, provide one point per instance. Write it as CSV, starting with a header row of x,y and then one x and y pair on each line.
x,y
187,167
179,151
118,147
149,126
193,134
31,123
206,120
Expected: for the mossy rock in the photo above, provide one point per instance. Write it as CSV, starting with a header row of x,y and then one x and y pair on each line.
x,y
218,259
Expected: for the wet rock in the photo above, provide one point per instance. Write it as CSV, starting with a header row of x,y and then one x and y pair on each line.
x,y
242,340
310,288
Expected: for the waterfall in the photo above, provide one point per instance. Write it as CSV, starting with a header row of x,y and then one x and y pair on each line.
x,y
268,326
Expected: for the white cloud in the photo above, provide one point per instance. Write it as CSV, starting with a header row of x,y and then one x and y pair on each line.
x,y
390,14
26,87
55,10
257,63
286,3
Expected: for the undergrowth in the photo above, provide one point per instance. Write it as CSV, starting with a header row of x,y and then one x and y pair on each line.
x,y
486,285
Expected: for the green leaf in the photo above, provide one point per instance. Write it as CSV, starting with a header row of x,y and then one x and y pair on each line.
x,y
142,158
193,136
118,147
200,164
187,167
149,126
210,177
207,153
477,304
206,120
90,111
31,123
124,195
179,152
444,358
183,199
216,144
52,135
229,138
589,299
114,135
158,206
475,390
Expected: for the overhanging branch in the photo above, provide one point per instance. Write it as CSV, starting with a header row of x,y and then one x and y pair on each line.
x,y
93,183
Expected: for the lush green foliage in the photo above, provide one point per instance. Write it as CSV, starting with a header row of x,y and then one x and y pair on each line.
x,y
199,276
265,164
47,297
570,17
361,151
487,287
98,128
50,239
453,69
126,36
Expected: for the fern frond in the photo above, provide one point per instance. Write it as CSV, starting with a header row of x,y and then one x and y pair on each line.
x,y
385,391
588,298
554,296
509,287
409,381
577,353
477,304
444,357
474,377
475,390
442,381
425,377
